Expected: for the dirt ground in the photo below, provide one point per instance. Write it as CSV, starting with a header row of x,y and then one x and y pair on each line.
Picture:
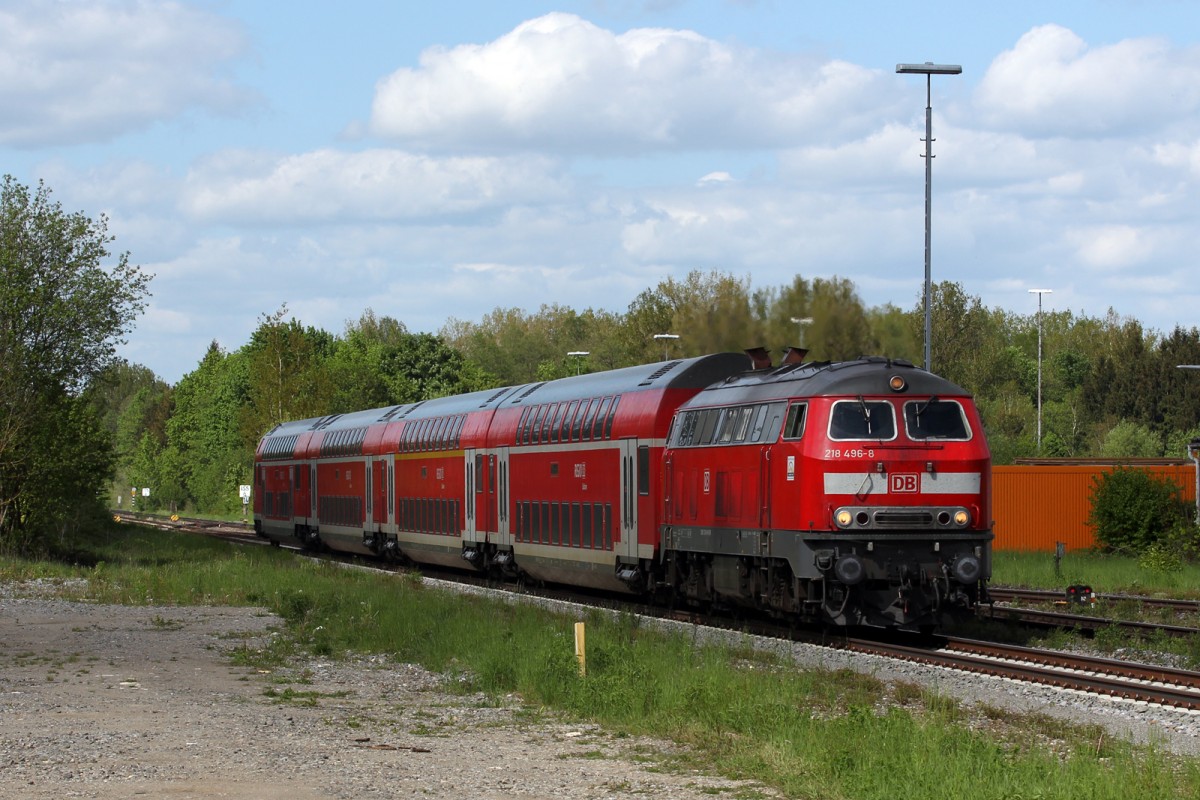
x,y
120,702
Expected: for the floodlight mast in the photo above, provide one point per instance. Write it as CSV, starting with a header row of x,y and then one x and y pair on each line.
x,y
928,69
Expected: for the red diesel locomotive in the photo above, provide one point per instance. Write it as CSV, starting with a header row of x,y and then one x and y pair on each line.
x,y
849,493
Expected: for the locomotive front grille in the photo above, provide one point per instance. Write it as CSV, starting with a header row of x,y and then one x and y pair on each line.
x,y
903,519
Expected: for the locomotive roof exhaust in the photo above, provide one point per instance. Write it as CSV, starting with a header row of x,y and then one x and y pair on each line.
x,y
794,355
760,357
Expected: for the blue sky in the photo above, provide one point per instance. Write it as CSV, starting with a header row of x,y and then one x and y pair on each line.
x,y
435,161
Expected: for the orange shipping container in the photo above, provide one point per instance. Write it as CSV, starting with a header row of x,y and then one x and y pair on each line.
x,y
1036,505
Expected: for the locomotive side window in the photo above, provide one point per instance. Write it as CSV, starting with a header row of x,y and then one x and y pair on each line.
x,y
729,426
935,419
793,427
682,428
708,425
767,424
862,419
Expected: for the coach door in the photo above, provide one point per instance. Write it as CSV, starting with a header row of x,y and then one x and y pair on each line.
x,y
471,470
482,517
379,480
500,460
628,544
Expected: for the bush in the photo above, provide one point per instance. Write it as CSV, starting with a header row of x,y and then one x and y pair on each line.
x,y
1132,509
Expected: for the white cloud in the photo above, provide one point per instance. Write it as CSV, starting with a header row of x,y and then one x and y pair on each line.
x,y
560,81
1110,248
87,72
1052,84
382,185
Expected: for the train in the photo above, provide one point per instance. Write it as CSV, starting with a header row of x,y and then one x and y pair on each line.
x,y
839,493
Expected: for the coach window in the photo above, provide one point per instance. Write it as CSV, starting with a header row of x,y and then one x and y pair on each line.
x,y
643,466
456,434
533,426
547,422
862,419
566,423
577,422
612,415
557,426
589,418
935,419
524,425
598,429
793,426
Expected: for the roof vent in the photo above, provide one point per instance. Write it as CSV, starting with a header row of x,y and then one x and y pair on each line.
x,y
760,357
794,355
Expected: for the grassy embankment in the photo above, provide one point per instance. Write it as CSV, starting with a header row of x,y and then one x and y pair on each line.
x,y
745,713
1111,576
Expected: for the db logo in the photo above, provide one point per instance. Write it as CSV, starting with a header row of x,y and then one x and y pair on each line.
x,y
903,483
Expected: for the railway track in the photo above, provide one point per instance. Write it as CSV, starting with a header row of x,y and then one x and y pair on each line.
x,y
1045,596
1076,672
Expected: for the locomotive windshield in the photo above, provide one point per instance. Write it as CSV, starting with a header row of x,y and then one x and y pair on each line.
x,y
935,419
862,419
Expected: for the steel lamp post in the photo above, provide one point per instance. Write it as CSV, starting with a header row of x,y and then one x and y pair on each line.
x,y
578,355
1039,293
928,69
666,339
801,322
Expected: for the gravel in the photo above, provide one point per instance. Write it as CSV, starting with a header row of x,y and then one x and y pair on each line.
x,y
104,701
119,701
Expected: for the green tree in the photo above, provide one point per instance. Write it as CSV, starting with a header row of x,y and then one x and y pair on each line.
x,y
290,367
840,329
63,310
1130,440
134,406
207,457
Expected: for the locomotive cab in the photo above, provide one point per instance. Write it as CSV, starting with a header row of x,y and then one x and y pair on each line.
x,y
851,493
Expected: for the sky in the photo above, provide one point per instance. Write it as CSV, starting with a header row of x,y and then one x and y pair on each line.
x,y
436,161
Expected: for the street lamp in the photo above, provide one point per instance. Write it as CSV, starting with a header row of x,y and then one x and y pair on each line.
x,y
666,340
801,321
1039,293
928,69
580,355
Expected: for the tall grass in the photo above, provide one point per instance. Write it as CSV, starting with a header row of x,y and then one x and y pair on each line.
x,y
743,712
1105,573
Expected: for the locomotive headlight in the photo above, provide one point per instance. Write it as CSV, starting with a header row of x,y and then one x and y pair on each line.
x,y
961,518
897,383
844,518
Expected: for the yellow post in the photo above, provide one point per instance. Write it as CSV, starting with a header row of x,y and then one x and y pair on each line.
x,y
581,648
